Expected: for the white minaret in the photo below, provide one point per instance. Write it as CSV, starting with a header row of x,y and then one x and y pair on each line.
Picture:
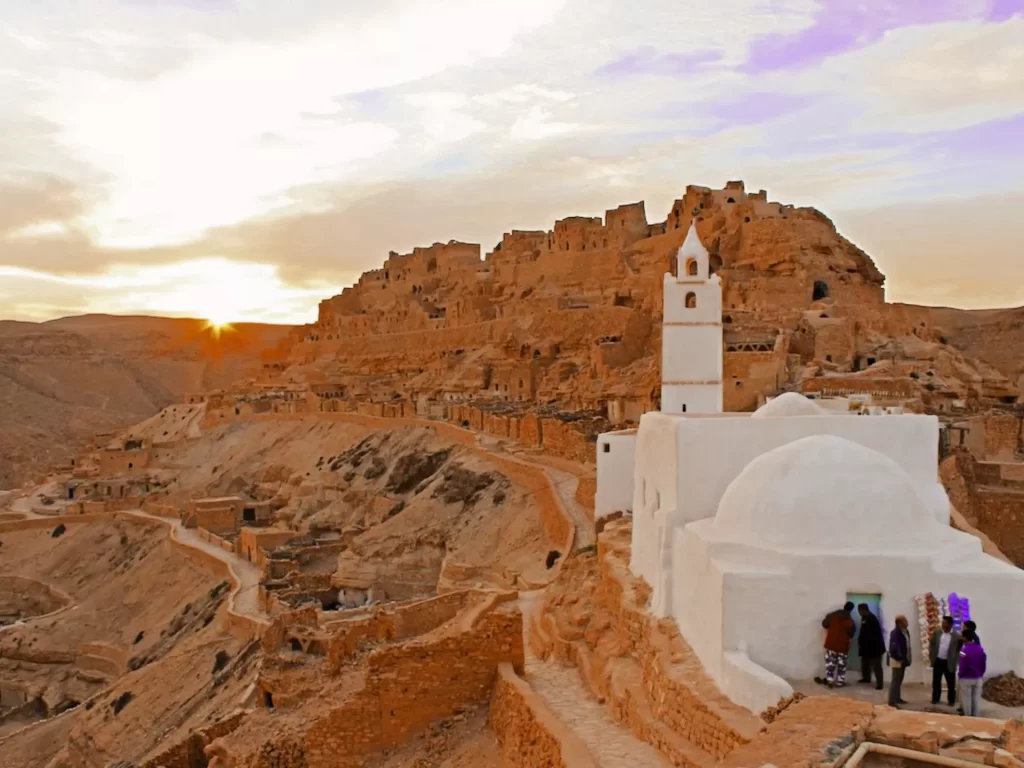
x,y
691,338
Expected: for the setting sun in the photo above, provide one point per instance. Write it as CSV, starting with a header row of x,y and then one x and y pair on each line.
x,y
218,324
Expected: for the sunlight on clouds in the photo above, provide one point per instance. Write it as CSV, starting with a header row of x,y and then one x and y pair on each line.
x,y
443,116
538,124
183,149
952,75
205,288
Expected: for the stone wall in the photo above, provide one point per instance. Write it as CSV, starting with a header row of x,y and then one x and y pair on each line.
x,y
1000,514
411,685
994,437
407,620
567,440
122,462
650,679
586,490
217,519
990,496
189,752
531,735
747,375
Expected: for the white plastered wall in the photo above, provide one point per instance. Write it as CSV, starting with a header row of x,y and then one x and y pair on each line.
x,y
691,357
616,463
713,452
654,488
754,617
698,398
708,453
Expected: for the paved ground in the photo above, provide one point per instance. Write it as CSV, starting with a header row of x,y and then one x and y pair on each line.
x,y
917,695
611,745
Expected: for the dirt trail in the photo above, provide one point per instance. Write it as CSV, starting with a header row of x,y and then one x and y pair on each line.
x,y
246,600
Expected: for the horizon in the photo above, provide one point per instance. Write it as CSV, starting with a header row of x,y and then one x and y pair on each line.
x,y
237,161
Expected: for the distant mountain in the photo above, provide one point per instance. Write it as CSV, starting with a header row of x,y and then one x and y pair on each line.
x,y
65,380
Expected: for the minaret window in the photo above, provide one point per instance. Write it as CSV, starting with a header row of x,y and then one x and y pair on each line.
x,y
691,267
691,300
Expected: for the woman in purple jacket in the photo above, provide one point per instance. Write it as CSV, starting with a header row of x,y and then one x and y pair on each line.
x,y
972,670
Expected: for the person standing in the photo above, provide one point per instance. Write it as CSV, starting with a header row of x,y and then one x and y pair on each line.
x,y
944,654
974,628
973,661
839,631
870,646
899,659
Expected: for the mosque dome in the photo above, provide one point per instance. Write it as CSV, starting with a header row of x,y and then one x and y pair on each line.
x,y
830,495
788,404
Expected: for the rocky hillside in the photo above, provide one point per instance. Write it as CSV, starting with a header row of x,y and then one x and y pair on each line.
x,y
64,381
140,661
413,506
993,335
571,317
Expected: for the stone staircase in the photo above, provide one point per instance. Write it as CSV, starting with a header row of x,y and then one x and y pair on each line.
x,y
609,744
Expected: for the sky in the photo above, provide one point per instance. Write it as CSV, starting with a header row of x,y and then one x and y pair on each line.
x,y
243,159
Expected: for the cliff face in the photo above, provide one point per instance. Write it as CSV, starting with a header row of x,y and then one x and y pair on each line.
x,y
566,320
571,317
64,381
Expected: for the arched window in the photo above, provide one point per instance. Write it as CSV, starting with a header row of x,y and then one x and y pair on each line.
x,y
691,267
691,300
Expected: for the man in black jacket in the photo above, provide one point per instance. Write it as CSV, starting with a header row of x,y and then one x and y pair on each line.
x,y
870,646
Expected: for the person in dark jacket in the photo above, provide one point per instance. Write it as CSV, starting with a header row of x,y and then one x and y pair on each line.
x,y
839,630
899,658
870,646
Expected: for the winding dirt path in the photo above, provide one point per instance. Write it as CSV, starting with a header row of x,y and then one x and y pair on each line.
x,y
245,600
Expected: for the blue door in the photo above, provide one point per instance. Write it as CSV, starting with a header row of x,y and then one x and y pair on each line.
x,y
875,606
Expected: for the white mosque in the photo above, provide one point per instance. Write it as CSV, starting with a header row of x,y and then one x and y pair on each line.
x,y
751,527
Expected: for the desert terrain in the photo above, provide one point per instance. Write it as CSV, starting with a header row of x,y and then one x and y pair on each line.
x,y
64,381
371,540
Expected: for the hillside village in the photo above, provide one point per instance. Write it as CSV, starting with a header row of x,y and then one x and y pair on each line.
x,y
390,540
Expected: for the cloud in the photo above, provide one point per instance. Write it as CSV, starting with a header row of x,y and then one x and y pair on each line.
x,y
841,26
443,116
180,148
34,200
217,289
236,138
646,60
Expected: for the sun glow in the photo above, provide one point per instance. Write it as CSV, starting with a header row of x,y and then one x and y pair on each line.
x,y
218,325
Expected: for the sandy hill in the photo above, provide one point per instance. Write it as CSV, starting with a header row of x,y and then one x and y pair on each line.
x,y
141,660
993,335
63,381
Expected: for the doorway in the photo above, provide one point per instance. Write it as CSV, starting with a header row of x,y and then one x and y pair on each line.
x,y
874,602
